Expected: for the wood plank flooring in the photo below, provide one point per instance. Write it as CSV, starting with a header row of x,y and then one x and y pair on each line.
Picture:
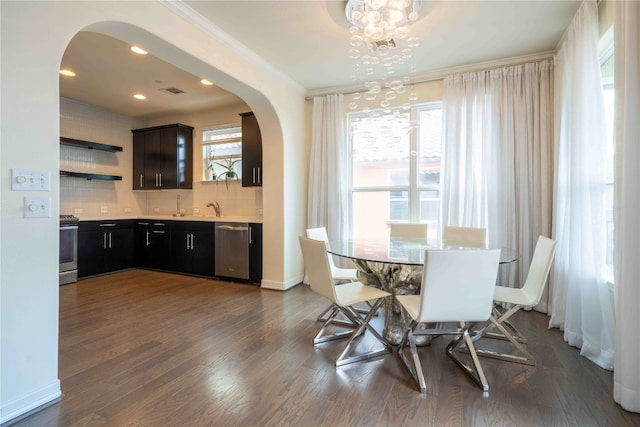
x,y
147,349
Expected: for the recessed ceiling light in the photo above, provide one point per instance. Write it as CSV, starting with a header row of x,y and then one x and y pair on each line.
x,y
206,82
67,73
139,96
139,50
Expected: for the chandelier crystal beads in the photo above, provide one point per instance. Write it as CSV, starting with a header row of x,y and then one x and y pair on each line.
x,y
380,42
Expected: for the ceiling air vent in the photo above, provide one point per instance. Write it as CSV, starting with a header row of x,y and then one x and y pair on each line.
x,y
172,90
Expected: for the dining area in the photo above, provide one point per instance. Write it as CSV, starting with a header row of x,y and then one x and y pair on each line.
x,y
406,290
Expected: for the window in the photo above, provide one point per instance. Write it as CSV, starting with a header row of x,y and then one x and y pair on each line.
x,y
395,168
607,79
221,153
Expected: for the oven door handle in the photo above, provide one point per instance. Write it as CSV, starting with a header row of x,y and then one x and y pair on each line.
x,y
69,227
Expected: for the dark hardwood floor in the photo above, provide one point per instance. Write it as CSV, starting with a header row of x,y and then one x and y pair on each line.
x,y
143,348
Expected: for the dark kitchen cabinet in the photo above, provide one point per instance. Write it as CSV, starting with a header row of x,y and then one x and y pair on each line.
x,y
105,246
153,244
163,157
255,253
251,151
193,247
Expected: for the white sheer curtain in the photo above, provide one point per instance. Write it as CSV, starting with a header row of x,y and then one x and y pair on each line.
x,y
497,167
327,199
626,375
581,302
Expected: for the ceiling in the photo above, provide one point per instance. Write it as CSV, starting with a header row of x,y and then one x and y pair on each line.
x,y
308,40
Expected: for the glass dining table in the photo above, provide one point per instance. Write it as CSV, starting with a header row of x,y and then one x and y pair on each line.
x,y
395,265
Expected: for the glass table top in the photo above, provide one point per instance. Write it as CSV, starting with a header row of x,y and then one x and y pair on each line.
x,y
403,250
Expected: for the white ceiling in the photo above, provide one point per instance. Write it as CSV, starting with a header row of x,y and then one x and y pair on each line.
x,y
308,40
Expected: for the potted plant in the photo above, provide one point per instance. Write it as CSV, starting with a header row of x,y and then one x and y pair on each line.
x,y
212,170
228,171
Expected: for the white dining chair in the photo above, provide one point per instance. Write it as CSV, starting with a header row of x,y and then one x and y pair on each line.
x,y
320,233
528,295
466,236
343,297
417,231
340,275
450,293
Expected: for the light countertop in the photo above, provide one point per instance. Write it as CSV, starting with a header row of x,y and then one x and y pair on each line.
x,y
248,219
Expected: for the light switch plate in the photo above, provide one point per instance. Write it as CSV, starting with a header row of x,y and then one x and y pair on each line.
x,y
37,207
30,180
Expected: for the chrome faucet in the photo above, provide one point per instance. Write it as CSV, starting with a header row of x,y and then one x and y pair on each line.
x,y
178,213
216,207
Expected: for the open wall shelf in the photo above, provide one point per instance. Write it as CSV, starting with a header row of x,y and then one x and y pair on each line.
x,y
90,176
89,145
79,143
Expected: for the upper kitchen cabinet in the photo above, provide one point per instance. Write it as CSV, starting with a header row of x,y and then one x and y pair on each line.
x,y
251,151
163,157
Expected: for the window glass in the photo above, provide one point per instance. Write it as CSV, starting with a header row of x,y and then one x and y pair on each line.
x,y
222,153
607,78
395,169
380,148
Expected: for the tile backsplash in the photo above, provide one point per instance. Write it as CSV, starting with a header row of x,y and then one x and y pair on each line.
x,y
98,198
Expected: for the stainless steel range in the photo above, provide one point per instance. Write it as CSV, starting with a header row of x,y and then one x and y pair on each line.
x,y
68,249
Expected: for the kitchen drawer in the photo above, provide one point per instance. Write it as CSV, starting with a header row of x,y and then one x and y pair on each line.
x,y
105,224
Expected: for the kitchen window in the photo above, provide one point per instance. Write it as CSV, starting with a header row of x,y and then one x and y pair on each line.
x,y
222,153
395,168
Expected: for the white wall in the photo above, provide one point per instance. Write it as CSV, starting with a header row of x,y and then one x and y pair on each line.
x,y
33,38
90,123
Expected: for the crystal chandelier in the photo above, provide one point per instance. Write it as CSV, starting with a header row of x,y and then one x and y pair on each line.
x,y
381,20
380,41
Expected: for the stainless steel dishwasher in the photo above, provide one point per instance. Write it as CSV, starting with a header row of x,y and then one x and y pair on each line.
x,y
232,250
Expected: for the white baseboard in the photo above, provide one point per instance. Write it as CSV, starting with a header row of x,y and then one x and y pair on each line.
x,y
282,286
29,402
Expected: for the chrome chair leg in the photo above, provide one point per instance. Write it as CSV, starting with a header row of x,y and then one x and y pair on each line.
x,y
475,372
503,318
412,365
344,357
321,337
524,357
321,317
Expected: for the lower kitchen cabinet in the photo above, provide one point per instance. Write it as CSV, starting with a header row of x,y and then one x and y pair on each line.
x,y
193,247
176,246
105,246
255,253
153,244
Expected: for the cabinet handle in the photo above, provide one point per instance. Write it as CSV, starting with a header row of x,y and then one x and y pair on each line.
x,y
250,234
156,180
188,242
148,243
141,181
107,225
192,237
158,231
259,175
110,246
104,240
160,179
159,224
253,178
143,223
